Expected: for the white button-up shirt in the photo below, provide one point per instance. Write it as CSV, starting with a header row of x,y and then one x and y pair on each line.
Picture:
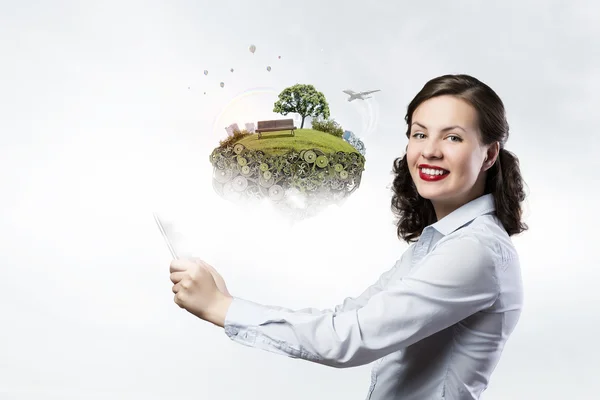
x,y
435,324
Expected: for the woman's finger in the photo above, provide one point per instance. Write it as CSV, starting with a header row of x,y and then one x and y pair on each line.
x,y
181,265
176,277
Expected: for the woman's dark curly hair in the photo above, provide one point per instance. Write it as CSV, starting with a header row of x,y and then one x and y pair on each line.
x,y
503,180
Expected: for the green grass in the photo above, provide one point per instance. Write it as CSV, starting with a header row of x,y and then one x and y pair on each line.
x,y
277,143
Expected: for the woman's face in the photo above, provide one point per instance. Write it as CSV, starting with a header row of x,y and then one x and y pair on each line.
x,y
444,154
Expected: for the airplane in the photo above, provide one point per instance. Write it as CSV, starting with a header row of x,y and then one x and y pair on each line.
x,y
361,95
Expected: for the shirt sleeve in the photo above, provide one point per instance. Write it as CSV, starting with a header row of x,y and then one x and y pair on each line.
x,y
455,280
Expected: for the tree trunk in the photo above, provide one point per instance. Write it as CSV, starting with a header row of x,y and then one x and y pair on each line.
x,y
302,124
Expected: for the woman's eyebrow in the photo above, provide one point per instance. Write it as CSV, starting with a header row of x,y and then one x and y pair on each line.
x,y
421,125
449,128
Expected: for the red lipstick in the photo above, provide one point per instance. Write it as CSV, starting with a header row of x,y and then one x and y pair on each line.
x,y
432,178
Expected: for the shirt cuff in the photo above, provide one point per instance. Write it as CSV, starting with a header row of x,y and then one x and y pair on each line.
x,y
243,315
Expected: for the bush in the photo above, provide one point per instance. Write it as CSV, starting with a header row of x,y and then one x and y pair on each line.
x,y
237,135
328,126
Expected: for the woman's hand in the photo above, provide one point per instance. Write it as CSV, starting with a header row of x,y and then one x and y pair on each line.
x,y
200,290
216,276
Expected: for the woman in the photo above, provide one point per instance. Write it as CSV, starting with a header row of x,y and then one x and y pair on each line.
x,y
437,321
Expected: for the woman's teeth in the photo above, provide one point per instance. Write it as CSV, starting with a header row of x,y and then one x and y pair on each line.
x,y
429,171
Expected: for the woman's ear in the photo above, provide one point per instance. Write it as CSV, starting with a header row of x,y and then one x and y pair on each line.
x,y
491,155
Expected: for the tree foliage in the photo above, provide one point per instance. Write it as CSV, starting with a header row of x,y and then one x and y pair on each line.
x,y
328,126
304,100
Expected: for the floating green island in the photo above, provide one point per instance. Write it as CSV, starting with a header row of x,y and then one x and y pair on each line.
x,y
301,171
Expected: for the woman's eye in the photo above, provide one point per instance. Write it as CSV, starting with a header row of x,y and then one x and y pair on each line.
x,y
454,139
418,135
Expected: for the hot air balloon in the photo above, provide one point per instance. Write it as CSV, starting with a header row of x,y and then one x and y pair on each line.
x,y
252,48
269,69
231,69
222,84
205,72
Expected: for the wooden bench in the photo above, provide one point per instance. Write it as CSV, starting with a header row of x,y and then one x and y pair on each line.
x,y
274,126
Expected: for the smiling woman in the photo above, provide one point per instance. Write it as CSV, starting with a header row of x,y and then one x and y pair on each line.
x,y
457,130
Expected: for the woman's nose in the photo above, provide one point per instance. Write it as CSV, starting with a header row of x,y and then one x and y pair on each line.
x,y
431,149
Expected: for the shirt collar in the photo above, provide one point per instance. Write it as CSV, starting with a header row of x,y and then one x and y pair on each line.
x,y
465,214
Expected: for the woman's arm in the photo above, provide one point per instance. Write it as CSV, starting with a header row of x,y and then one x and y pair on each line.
x,y
454,281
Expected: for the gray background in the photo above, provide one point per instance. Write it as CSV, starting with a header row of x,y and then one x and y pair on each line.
x,y
98,129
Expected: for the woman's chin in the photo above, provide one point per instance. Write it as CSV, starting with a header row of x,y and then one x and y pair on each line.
x,y
432,195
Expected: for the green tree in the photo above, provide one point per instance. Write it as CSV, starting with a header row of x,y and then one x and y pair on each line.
x,y
304,100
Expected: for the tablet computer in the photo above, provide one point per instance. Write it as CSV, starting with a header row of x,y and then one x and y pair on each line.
x,y
161,228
